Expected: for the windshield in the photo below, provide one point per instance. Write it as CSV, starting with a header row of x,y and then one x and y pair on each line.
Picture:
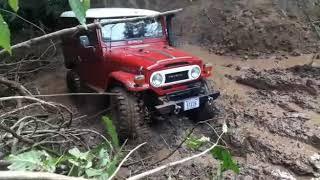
x,y
147,28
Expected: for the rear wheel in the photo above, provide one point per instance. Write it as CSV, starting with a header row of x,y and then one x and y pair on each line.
x,y
207,110
126,114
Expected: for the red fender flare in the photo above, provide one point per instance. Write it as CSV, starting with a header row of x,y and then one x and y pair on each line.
x,y
127,80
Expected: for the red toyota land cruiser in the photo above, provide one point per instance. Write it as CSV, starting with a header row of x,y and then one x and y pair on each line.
x,y
137,61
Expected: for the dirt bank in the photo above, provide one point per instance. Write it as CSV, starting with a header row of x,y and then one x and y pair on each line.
x,y
243,27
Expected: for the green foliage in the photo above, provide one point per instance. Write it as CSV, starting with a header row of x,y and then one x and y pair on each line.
x,y
218,152
80,7
227,163
98,163
75,152
196,143
4,35
111,130
14,4
88,164
32,161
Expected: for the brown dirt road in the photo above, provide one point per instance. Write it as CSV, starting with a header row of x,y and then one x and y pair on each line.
x,y
274,133
275,117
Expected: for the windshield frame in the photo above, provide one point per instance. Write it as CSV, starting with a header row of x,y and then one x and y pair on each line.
x,y
159,20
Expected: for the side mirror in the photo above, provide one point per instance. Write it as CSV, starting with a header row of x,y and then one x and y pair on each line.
x,y
84,41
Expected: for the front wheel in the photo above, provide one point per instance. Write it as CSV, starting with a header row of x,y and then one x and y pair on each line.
x,y
126,114
208,109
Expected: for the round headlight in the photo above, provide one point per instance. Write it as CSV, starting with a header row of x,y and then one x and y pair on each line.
x,y
195,72
156,80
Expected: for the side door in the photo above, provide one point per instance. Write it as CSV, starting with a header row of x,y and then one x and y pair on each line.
x,y
91,69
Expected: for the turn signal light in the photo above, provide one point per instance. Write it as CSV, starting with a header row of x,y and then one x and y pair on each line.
x,y
207,68
139,80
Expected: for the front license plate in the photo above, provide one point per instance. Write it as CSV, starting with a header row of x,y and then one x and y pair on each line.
x,y
191,104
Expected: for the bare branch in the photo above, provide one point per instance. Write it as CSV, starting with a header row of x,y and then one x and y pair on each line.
x,y
124,160
182,142
28,98
157,169
75,94
19,109
56,34
14,134
14,85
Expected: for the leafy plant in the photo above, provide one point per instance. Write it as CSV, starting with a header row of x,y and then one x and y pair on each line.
x,y
111,130
98,163
225,157
4,35
32,161
89,164
79,7
14,4
196,143
218,152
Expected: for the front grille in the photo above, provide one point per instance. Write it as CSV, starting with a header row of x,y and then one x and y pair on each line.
x,y
178,76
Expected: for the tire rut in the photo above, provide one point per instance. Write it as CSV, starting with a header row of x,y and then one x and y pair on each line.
x,y
274,149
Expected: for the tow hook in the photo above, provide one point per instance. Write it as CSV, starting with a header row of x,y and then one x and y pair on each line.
x,y
210,100
177,109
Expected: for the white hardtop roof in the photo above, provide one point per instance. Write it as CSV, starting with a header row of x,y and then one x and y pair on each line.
x,y
112,13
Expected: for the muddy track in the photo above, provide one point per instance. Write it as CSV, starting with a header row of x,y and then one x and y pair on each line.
x,y
273,118
273,109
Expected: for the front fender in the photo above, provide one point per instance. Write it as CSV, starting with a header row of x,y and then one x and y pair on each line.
x,y
127,80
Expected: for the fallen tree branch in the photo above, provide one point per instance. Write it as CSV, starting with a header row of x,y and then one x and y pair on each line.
x,y
75,94
182,142
23,175
157,169
56,34
124,160
30,98
14,85
19,109
14,134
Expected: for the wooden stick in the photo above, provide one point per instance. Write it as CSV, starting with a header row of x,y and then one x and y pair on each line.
x,y
28,98
56,34
14,85
157,169
76,94
24,175
14,134
124,160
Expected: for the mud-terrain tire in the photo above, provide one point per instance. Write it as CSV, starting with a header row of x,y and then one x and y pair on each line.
x,y
73,82
126,114
207,110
